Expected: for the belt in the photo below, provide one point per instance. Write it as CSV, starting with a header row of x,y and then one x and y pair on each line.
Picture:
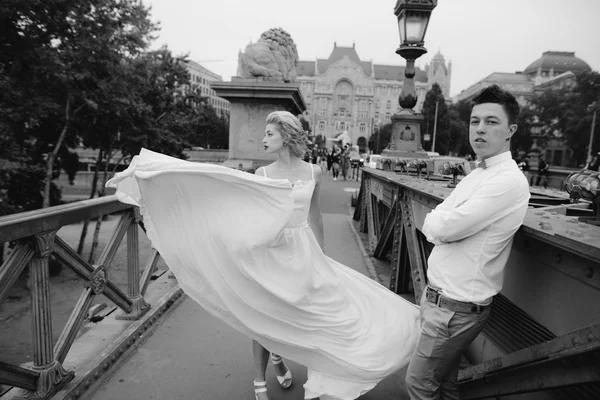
x,y
440,300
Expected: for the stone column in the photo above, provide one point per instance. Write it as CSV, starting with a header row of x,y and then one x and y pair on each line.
x,y
252,99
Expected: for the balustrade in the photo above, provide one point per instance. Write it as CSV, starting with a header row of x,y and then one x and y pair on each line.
x,y
35,239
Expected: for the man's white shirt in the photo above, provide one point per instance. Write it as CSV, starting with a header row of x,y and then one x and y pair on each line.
x,y
473,231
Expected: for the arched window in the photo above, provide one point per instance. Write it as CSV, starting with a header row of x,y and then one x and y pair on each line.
x,y
343,98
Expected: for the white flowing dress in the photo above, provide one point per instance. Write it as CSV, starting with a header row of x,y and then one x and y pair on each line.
x,y
240,245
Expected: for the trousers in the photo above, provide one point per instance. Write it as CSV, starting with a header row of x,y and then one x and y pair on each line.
x,y
433,369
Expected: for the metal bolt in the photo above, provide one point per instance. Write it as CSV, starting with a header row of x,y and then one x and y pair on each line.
x,y
590,337
589,272
576,341
558,258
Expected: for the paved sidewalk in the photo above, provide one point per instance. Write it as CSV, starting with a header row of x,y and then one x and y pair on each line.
x,y
193,355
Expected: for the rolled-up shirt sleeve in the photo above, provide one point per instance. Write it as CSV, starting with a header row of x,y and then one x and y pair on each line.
x,y
497,197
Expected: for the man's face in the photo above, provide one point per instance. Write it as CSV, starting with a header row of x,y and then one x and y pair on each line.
x,y
488,130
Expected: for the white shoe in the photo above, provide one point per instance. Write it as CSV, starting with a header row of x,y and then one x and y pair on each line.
x,y
259,387
286,380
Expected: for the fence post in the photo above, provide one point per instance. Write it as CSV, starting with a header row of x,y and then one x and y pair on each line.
x,y
139,306
52,373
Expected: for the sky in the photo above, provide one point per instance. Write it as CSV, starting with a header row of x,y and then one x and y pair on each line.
x,y
479,36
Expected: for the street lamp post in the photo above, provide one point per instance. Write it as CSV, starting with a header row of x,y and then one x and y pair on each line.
x,y
437,102
593,106
413,19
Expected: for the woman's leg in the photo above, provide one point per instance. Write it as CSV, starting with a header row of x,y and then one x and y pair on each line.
x,y
261,357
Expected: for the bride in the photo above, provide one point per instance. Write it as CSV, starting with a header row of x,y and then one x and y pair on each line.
x,y
249,249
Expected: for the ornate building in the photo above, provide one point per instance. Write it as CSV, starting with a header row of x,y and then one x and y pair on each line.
x,y
344,93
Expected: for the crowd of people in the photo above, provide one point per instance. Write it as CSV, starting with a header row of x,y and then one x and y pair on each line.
x,y
332,161
542,171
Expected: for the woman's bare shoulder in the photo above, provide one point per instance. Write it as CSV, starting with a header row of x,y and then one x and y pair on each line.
x,y
265,170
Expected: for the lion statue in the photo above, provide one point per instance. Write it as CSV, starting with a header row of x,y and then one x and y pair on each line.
x,y
272,57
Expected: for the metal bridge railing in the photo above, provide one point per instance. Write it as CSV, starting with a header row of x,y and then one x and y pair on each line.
x,y
35,239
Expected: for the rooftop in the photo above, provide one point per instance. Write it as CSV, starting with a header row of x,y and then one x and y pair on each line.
x,y
559,61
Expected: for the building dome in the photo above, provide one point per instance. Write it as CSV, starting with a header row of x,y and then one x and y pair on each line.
x,y
559,62
438,57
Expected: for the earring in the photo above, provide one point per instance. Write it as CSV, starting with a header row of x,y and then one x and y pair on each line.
x,y
285,143
507,138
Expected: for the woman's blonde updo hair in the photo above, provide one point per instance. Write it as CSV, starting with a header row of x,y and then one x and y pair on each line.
x,y
291,131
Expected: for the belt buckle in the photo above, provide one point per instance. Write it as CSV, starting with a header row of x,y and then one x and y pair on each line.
x,y
438,297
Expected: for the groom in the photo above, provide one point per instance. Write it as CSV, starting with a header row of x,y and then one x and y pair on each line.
x,y
472,231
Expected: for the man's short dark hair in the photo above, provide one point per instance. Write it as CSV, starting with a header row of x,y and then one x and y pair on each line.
x,y
495,94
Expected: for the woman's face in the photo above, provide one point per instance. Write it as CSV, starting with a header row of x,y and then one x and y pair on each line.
x,y
273,141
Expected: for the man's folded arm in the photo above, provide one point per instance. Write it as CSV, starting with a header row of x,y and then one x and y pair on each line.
x,y
496,198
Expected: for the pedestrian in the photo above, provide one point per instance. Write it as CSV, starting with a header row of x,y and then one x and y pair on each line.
x,y
594,164
323,160
345,161
542,175
330,159
336,161
472,230
526,169
249,249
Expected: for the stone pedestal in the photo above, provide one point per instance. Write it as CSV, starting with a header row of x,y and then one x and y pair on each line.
x,y
252,99
406,137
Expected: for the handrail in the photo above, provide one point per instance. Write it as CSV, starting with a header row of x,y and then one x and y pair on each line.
x,y
17,226
35,237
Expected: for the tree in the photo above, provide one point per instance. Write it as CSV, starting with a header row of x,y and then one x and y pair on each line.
x,y
458,132
141,107
28,37
565,113
521,140
442,135
57,60
199,122
381,138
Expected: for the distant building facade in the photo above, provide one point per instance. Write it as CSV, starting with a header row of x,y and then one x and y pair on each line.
x,y
344,93
201,77
553,70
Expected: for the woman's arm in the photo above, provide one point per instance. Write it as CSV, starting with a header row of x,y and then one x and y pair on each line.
x,y
316,219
